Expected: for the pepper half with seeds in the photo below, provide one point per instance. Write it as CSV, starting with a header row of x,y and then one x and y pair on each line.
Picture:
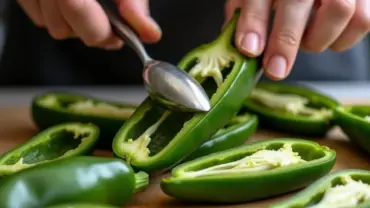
x,y
354,120
251,172
292,108
53,108
349,188
155,139
236,132
56,142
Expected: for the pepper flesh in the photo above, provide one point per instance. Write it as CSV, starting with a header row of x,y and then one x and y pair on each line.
x,y
52,108
155,139
348,188
79,179
56,142
80,205
251,172
292,109
353,121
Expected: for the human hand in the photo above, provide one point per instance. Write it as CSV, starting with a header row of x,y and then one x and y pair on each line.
x,y
85,19
334,24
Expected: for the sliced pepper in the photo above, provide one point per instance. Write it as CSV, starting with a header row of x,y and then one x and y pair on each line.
x,y
348,188
53,108
355,123
56,142
236,132
155,139
80,179
251,172
292,108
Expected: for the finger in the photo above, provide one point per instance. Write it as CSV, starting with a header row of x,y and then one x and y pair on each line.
x,y
252,26
290,20
136,13
88,21
58,28
330,20
357,29
230,7
33,11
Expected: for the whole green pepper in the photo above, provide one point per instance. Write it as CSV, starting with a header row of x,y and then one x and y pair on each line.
x,y
56,142
80,179
292,108
155,139
53,108
251,172
354,120
348,188
73,205
239,129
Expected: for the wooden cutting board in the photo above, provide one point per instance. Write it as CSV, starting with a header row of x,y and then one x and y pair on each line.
x,y
16,127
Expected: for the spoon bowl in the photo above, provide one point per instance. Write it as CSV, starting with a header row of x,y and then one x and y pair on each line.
x,y
165,83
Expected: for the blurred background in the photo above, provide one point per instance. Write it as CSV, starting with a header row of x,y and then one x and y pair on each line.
x,y
32,62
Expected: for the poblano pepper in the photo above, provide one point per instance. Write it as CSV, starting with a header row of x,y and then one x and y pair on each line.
x,y
53,108
251,172
73,205
292,108
236,132
155,139
348,188
354,120
56,142
80,179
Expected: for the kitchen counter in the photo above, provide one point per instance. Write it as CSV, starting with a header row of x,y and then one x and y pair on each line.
x,y
135,94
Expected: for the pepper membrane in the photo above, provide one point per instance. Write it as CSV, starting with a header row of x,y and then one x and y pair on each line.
x,y
251,172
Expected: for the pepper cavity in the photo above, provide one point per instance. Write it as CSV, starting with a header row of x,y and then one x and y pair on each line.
x,y
290,103
64,140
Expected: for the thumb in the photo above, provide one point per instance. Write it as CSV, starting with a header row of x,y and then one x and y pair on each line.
x,y
136,13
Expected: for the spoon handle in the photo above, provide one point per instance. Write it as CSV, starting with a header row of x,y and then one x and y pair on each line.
x,y
123,31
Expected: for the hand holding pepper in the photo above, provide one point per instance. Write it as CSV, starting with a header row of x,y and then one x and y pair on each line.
x,y
86,20
334,24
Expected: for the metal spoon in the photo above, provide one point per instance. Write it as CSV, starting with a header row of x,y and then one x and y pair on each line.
x,y
165,83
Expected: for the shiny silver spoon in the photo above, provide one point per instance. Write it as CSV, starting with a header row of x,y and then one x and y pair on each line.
x,y
165,83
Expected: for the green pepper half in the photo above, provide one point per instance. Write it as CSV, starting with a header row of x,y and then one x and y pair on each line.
x,y
80,179
155,139
354,120
292,108
251,172
348,188
56,142
53,108
236,132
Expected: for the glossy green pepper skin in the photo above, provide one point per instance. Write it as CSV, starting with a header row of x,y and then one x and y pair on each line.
x,y
80,179
288,122
155,139
239,129
354,120
233,181
56,142
52,108
314,194
73,205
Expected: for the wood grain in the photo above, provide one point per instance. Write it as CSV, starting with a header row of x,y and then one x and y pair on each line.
x,y
17,127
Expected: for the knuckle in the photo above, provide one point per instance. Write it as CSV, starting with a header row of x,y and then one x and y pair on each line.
x,y
287,37
74,5
343,7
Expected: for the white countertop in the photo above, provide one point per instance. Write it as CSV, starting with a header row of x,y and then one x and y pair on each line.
x,y
23,96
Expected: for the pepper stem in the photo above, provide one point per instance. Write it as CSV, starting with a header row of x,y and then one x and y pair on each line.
x,y
141,181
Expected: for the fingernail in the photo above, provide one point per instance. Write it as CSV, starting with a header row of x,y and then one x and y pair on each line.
x,y
277,67
250,43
